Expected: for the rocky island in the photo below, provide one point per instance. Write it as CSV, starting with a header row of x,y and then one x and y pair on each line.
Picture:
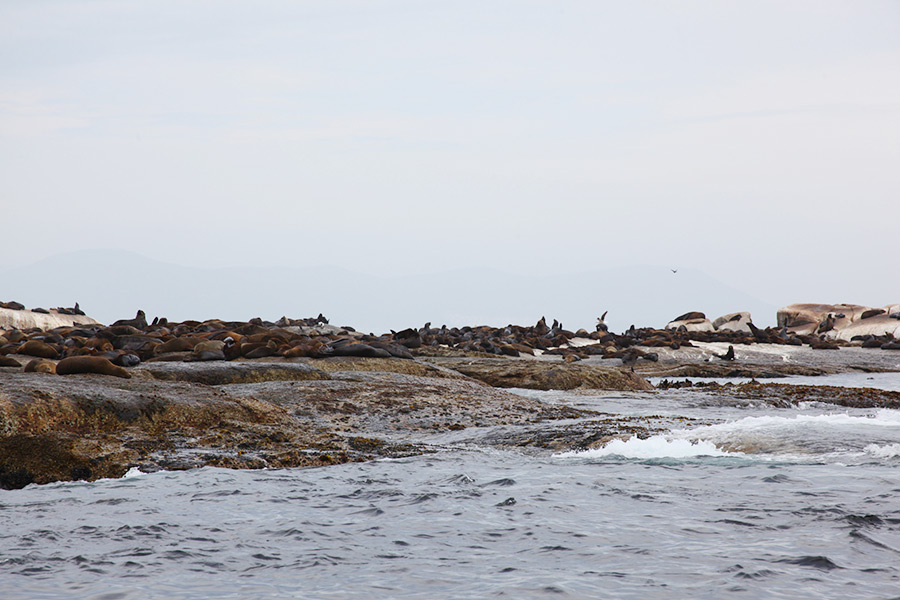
x,y
80,400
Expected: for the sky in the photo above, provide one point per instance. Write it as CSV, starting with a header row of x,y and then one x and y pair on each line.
x,y
757,142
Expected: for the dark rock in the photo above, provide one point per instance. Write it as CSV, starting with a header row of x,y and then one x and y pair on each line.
x,y
45,458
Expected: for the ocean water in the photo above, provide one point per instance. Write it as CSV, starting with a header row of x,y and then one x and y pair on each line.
x,y
748,502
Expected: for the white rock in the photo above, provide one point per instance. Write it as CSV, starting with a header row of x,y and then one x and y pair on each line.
x,y
878,325
805,318
692,325
26,319
733,322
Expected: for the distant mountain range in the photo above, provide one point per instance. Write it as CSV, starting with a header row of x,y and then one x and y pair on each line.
x,y
113,284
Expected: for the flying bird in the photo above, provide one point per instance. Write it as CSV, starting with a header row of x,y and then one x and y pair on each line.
x,y
674,270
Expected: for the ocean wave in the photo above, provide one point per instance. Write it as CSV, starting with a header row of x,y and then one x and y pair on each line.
x,y
883,451
656,446
881,418
828,437
796,435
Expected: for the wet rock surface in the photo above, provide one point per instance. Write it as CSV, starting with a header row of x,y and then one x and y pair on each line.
x,y
240,415
785,395
766,360
731,370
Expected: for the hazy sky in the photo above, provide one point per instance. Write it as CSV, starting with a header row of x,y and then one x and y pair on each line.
x,y
756,141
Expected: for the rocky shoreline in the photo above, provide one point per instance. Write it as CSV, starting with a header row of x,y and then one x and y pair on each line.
x,y
303,393
250,414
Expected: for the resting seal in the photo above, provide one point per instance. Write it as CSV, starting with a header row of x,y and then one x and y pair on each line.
x,y
39,349
40,365
179,344
90,364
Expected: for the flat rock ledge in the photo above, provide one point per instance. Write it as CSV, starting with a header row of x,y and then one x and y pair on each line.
x,y
272,414
225,373
543,375
743,370
785,395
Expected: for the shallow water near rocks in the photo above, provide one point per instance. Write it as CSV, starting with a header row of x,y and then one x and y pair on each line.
x,y
879,381
741,501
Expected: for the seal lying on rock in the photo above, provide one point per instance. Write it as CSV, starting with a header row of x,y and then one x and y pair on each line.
x,y
39,349
692,321
90,364
40,365
345,347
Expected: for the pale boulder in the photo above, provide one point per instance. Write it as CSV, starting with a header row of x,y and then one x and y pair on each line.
x,y
692,325
804,319
733,322
877,326
26,319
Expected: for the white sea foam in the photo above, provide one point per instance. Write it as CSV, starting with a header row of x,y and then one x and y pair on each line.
x,y
657,446
133,472
794,436
880,418
883,451
797,437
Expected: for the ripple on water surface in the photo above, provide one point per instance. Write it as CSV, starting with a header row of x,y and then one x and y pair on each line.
x,y
681,517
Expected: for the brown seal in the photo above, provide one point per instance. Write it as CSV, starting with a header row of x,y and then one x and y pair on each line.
x,y
6,361
179,344
90,364
690,315
310,349
138,322
40,365
209,346
39,349
823,345
99,344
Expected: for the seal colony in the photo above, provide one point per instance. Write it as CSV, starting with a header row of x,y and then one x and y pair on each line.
x,y
129,342
86,400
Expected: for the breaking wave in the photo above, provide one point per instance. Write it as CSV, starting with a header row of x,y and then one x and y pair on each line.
x,y
819,437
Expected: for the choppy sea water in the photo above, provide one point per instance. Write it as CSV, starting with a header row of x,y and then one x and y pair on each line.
x,y
756,503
